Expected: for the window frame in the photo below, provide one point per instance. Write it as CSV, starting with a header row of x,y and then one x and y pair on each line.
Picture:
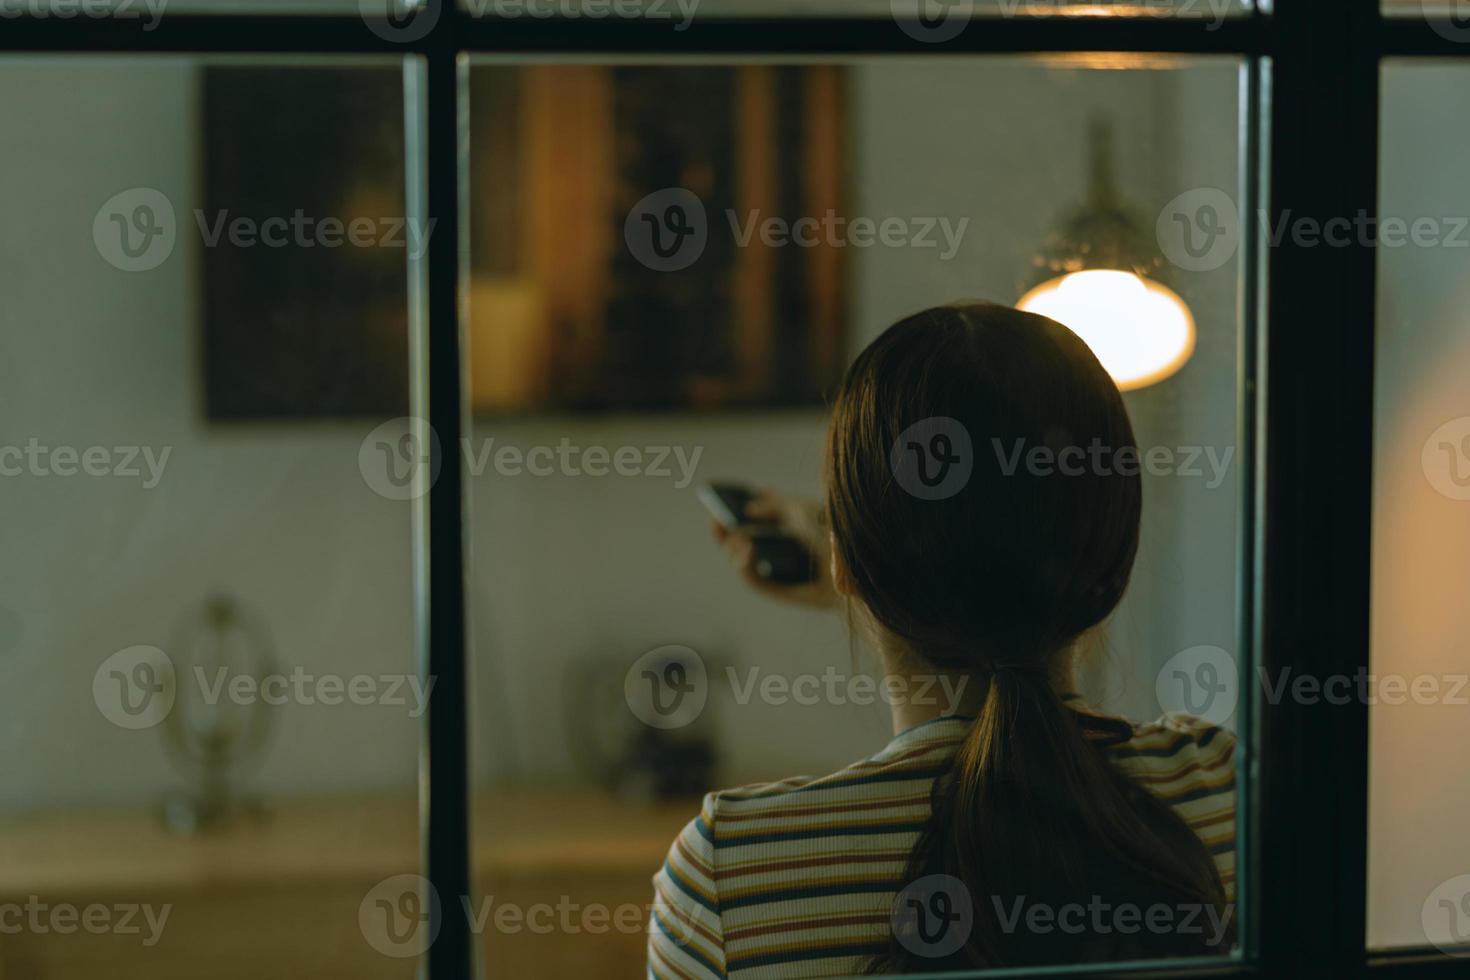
x,y
1311,142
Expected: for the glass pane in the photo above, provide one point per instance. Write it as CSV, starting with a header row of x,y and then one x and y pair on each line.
x,y
207,685
672,266
1418,856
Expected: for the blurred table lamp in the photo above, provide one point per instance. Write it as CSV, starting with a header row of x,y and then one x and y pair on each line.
x,y
1099,271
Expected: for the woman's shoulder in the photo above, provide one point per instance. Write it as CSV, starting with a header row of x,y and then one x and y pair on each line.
x,y
1189,764
1181,757
902,769
1170,735
763,841
1180,732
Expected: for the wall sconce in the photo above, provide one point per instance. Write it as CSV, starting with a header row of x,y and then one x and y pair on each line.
x,y
1098,280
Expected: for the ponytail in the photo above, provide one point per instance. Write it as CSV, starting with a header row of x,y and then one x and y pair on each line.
x,y
1032,813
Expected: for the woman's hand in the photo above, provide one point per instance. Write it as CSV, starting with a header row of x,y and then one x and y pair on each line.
x,y
799,519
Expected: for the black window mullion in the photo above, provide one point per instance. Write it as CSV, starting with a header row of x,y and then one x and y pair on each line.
x,y
318,34
444,772
1312,776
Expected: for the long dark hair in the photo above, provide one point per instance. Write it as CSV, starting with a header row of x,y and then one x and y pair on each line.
x,y
998,578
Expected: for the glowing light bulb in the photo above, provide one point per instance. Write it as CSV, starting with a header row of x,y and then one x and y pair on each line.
x,y
1141,331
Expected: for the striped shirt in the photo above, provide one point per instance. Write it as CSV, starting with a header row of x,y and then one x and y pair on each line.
x,y
797,878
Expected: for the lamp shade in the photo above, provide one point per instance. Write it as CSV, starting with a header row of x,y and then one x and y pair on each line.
x,y
1139,329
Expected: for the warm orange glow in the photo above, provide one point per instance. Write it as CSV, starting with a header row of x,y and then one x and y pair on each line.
x,y
1141,331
